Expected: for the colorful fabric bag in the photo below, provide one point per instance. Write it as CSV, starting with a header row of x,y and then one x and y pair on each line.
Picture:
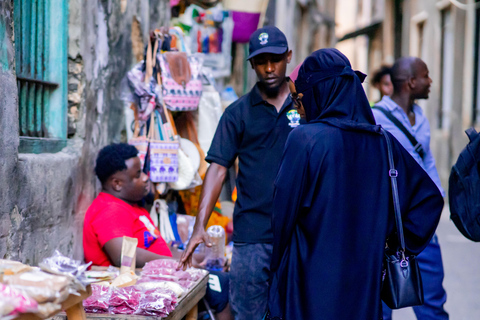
x,y
145,91
163,155
181,81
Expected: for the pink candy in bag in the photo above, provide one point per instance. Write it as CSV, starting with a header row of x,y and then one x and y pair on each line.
x,y
98,301
157,302
156,271
160,263
124,300
186,284
196,274
157,278
19,302
182,275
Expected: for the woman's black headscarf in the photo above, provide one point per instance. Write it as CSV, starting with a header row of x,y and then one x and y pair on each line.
x,y
331,89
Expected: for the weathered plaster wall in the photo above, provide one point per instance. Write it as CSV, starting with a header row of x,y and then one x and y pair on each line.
x,y
43,198
43,215
8,124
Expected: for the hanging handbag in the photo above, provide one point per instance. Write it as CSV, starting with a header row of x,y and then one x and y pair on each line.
x,y
139,141
145,91
162,155
181,82
402,285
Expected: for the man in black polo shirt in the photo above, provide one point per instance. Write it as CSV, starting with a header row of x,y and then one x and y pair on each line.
x,y
254,129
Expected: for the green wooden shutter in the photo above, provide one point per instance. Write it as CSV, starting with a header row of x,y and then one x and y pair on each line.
x,y
41,66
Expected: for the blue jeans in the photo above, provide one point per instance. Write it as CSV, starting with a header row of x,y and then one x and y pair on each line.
x,y
431,267
249,275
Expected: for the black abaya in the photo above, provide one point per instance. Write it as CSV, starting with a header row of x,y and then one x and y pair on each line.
x,y
333,205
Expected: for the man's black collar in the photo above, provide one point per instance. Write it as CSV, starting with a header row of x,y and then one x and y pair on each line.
x,y
256,96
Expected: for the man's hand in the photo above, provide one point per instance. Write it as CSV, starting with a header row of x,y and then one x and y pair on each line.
x,y
199,236
212,185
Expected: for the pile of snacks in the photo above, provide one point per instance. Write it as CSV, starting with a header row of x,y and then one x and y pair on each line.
x,y
13,302
40,291
156,292
130,300
163,272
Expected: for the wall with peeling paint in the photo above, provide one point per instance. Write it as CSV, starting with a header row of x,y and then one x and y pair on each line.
x,y
43,198
8,123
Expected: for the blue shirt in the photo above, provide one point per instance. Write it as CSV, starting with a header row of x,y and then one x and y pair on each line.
x,y
252,129
420,130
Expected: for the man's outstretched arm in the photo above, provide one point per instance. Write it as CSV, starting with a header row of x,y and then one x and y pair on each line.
x,y
211,191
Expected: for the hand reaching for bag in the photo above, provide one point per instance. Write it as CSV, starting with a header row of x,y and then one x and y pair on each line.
x,y
199,236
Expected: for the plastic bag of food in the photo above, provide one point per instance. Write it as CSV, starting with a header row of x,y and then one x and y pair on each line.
x,y
191,275
99,276
9,267
157,278
48,309
183,275
151,271
196,274
41,286
161,263
13,301
186,284
7,306
129,254
175,287
62,265
98,301
125,280
157,302
124,300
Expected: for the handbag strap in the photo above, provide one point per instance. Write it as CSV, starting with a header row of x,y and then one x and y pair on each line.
x,y
151,129
137,128
393,173
417,145
150,58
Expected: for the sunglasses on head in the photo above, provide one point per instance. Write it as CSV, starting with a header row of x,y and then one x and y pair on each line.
x,y
296,97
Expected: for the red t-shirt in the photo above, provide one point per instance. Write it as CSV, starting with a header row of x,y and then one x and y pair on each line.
x,y
109,217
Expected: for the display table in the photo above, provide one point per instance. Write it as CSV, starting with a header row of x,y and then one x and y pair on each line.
x,y
185,304
72,305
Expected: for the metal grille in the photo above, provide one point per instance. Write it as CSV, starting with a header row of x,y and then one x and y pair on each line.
x,y
31,54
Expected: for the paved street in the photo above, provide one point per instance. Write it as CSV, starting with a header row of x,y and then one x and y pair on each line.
x,y
461,259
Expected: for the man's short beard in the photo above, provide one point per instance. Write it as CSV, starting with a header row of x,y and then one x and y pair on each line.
x,y
270,92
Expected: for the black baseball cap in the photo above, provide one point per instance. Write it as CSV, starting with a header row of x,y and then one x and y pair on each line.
x,y
267,40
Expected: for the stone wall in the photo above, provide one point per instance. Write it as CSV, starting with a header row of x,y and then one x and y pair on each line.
x,y
43,198
8,124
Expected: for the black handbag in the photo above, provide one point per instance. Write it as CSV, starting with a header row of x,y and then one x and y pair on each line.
x,y
402,284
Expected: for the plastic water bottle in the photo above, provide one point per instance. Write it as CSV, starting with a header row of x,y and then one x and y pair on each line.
x,y
215,254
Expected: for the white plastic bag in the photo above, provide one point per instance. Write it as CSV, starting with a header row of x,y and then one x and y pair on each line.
x,y
160,217
209,114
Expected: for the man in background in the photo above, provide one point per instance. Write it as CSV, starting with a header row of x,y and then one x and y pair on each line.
x,y
402,117
382,81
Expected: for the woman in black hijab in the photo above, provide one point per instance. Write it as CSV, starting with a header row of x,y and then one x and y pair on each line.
x,y
333,206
